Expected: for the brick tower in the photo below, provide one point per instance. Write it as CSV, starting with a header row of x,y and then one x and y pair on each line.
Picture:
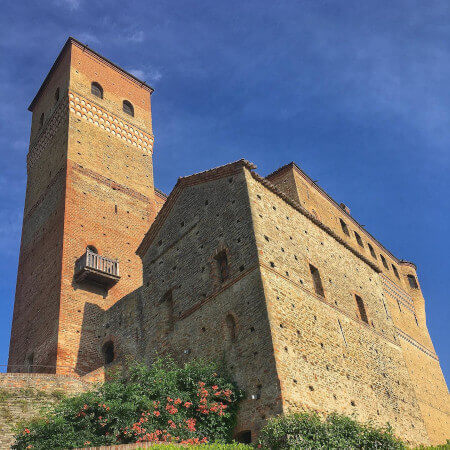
x,y
90,199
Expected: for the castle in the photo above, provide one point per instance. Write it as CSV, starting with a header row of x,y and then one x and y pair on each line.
x,y
306,307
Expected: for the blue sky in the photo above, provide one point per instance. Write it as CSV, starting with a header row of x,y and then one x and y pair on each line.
x,y
357,93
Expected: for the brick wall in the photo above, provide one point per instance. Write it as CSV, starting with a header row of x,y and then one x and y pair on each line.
x,y
22,396
90,182
36,307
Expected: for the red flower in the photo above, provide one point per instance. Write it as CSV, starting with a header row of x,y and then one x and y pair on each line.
x,y
177,401
156,413
215,387
190,424
188,404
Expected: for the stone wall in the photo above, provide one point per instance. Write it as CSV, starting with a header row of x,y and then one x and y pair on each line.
x,y
205,317
23,396
405,303
328,358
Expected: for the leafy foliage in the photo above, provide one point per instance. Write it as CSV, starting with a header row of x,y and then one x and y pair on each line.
x,y
161,403
445,446
307,430
215,446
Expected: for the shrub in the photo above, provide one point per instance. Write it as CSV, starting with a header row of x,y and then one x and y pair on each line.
x,y
307,430
445,446
161,403
216,446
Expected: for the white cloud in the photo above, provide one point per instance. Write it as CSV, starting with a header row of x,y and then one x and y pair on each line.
x,y
146,74
71,4
136,36
88,38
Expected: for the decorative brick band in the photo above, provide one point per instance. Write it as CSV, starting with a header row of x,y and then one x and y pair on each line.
x,y
412,341
49,129
97,115
108,182
397,293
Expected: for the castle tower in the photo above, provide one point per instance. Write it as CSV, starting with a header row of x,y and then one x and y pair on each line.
x,y
90,199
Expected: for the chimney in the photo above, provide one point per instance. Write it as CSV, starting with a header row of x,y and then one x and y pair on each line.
x,y
345,208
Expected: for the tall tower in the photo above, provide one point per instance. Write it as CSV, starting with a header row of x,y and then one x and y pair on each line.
x,y
90,199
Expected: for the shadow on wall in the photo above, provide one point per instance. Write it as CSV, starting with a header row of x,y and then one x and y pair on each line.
x,y
89,352
118,334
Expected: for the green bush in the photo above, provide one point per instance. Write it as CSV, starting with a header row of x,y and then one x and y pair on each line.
x,y
445,446
307,430
215,446
161,403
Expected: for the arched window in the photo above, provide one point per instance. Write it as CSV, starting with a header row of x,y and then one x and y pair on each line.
x,y
383,259
244,437
56,95
108,352
96,89
344,227
395,271
358,239
41,120
128,108
413,282
92,249
372,251
231,327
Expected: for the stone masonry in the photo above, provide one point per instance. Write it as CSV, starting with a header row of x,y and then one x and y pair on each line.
x,y
308,310
24,395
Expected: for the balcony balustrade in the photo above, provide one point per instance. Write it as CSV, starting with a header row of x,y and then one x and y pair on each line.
x,y
99,269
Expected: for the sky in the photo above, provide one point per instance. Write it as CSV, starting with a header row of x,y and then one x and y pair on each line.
x,y
356,93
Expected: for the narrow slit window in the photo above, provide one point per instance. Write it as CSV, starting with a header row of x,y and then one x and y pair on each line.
x,y
361,309
96,89
222,266
383,260
41,121
56,95
413,282
231,327
395,271
29,363
358,239
318,287
167,301
372,251
344,227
